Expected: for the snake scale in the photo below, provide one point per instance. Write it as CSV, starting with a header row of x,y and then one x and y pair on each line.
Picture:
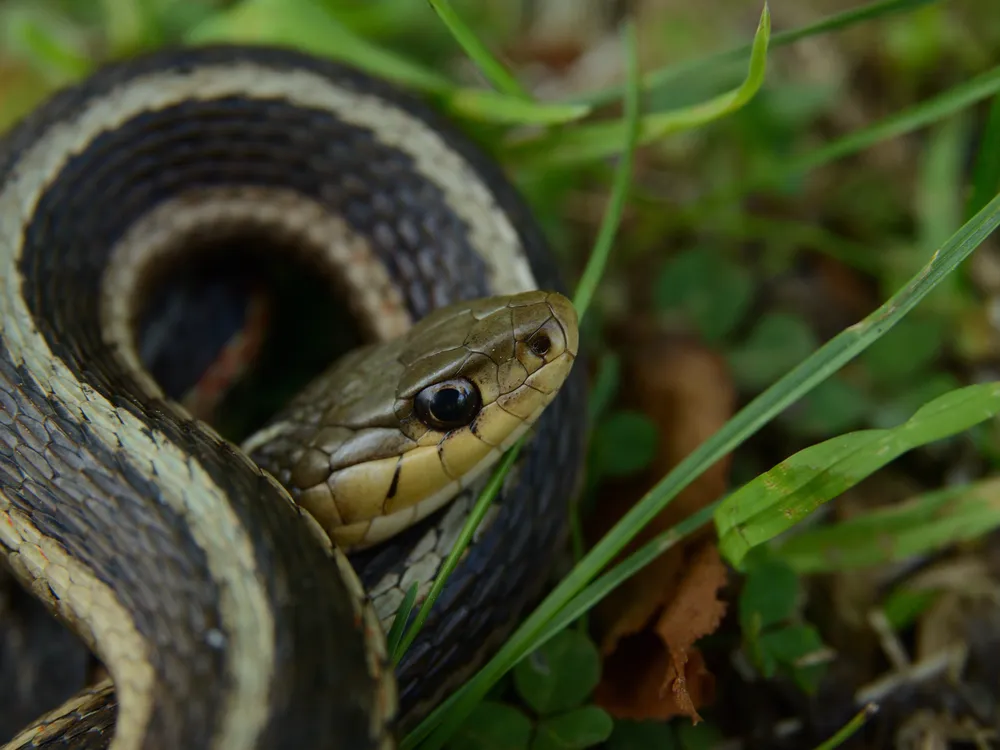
x,y
200,572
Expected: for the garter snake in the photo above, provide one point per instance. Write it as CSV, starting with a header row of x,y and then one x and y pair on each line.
x,y
209,588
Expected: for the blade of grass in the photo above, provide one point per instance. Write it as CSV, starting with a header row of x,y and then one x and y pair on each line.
x,y
598,260
926,113
491,68
986,172
306,26
439,726
836,22
919,526
602,139
850,728
489,106
585,290
486,497
620,186
594,270
940,182
604,385
399,623
781,497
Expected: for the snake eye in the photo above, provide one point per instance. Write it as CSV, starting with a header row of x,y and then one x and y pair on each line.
x,y
540,344
448,405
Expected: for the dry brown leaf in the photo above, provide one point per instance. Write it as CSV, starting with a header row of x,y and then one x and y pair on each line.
x,y
657,673
694,610
647,627
640,682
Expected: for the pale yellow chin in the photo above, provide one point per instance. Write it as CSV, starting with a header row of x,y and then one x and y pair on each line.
x,y
426,463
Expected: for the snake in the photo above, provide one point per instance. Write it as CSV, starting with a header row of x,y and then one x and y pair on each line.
x,y
239,593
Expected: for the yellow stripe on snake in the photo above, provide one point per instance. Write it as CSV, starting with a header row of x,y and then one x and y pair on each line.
x,y
238,595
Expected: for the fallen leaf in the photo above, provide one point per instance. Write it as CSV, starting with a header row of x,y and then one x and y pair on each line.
x,y
648,626
656,673
694,610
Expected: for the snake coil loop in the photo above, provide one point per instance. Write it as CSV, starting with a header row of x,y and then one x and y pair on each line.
x,y
206,581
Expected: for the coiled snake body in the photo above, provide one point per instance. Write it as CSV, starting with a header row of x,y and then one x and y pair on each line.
x,y
224,614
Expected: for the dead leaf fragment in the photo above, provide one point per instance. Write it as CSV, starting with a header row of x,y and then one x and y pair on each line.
x,y
647,628
656,673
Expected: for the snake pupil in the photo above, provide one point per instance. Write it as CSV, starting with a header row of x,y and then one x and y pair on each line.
x,y
447,405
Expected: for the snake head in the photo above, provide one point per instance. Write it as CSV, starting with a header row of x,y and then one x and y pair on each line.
x,y
409,424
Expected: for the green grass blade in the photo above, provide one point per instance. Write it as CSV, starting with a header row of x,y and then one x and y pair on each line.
x,y
395,634
850,728
986,173
591,276
439,726
940,187
491,68
486,497
604,385
602,139
585,289
926,113
598,261
689,69
594,270
489,106
780,498
306,26
919,526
